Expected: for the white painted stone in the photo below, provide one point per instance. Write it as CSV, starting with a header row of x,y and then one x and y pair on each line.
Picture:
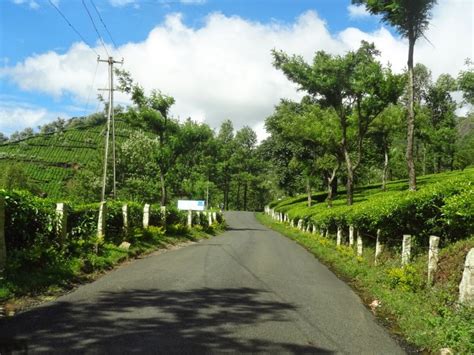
x,y
146,215
61,226
292,223
446,351
378,246
102,222
466,287
209,217
339,236
198,213
351,235
359,243
214,216
315,230
406,249
300,224
190,218
3,246
125,217
433,258
125,245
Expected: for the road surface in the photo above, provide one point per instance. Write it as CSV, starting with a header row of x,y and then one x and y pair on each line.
x,y
247,290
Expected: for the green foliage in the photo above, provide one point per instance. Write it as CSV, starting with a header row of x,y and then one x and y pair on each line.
x,y
429,318
466,82
443,206
409,18
458,213
29,220
403,278
38,259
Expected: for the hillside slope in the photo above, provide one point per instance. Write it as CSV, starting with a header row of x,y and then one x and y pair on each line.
x,y
49,160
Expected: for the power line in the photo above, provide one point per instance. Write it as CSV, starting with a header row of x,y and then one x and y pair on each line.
x,y
103,24
95,28
74,29
91,88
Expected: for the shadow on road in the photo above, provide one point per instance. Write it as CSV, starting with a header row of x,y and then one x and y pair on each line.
x,y
199,320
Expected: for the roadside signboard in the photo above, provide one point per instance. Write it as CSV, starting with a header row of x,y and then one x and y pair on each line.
x,y
191,205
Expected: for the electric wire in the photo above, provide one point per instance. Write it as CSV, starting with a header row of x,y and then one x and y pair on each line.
x,y
95,28
103,24
73,28
91,88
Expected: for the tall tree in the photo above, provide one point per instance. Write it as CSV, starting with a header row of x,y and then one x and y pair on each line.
x,y
225,141
244,162
313,135
355,86
410,18
466,82
383,132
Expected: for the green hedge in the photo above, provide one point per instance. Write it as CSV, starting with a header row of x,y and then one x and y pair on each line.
x,y
28,220
443,208
32,221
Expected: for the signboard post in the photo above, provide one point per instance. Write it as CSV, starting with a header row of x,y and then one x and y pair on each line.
x,y
190,206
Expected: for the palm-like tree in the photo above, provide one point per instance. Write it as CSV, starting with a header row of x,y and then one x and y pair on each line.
x,y
410,18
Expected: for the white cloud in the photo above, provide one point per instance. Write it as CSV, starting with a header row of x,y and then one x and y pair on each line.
x,y
31,3
120,3
16,116
136,3
357,12
224,69
193,2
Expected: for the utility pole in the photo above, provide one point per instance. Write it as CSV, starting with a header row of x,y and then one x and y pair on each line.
x,y
110,121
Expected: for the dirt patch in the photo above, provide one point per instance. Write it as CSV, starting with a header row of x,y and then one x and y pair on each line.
x,y
451,264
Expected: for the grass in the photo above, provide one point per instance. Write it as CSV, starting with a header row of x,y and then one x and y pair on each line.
x,y
427,317
64,273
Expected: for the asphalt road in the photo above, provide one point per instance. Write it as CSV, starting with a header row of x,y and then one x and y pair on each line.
x,y
248,290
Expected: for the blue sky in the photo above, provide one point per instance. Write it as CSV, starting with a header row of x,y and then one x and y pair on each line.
x,y
193,50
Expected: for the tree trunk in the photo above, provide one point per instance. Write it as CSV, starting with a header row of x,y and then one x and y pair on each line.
x,y
411,118
163,188
237,197
385,167
350,186
332,185
424,159
350,177
330,195
308,191
245,196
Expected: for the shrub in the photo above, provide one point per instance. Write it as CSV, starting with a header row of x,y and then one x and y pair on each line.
x,y
442,208
404,278
29,220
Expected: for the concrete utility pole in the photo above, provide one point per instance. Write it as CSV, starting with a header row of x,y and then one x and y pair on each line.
x,y
110,121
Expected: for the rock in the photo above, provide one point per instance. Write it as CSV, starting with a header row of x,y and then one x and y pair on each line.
x,y
374,305
446,351
466,287
125,245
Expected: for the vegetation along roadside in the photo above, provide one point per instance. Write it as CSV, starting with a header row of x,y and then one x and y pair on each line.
x,y
43,262
427,314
